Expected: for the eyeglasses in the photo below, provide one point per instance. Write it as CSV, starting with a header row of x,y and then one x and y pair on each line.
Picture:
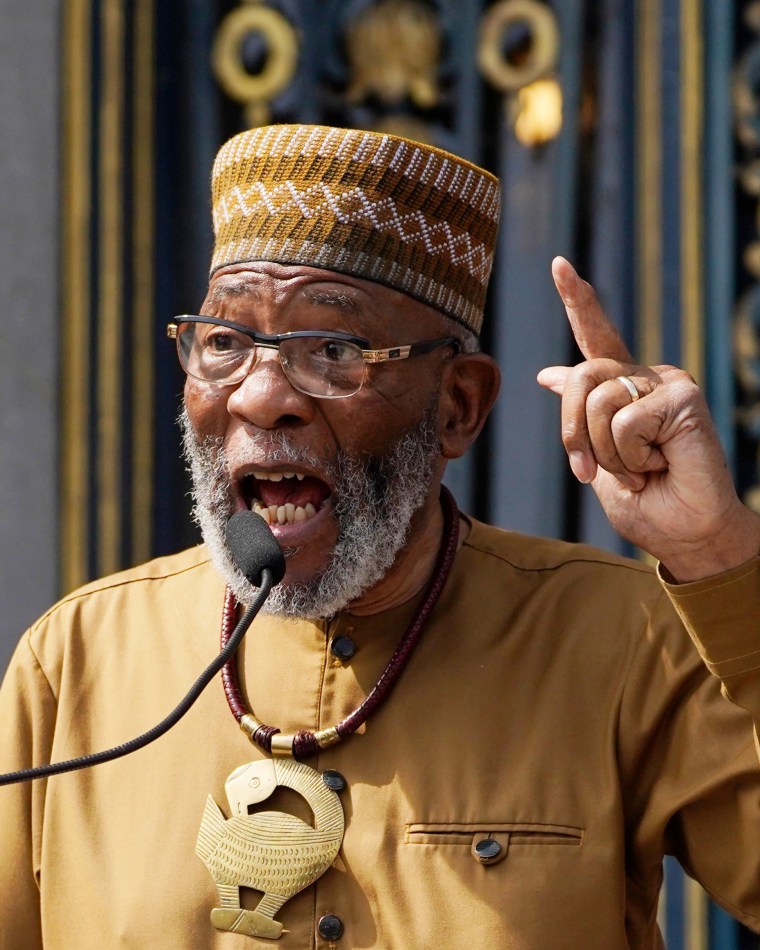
x,y
325,365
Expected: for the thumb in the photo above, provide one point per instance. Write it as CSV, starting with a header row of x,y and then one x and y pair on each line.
x,y
553,378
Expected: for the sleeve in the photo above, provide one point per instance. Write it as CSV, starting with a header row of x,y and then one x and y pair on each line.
x,y
722,615
27,712
689,757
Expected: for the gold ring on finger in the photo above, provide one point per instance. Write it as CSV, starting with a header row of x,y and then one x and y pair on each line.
x,y
631,387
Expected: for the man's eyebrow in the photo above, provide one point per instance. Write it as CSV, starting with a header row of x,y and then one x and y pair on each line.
x,y
238,288
333,298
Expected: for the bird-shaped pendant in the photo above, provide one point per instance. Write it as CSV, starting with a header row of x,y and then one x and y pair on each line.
x,y
272,852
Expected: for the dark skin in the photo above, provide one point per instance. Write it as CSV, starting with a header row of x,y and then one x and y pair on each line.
x,y
656,464
276,298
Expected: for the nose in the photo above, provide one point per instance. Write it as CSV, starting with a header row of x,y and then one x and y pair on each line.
x,y
266,399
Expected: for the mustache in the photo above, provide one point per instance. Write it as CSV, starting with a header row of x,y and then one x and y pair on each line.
x,y
218,462
268,447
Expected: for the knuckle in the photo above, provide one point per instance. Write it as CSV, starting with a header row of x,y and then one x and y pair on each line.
x,y
624,426
587,372
598,399
574,434
674,376
580,376
686,384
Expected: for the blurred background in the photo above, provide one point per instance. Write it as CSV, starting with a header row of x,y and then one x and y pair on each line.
x,y
627,136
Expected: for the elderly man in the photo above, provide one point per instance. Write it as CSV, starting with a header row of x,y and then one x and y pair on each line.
x,y
458,736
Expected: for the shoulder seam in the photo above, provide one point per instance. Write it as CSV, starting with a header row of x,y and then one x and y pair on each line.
x,y
601,561
97,587
40,667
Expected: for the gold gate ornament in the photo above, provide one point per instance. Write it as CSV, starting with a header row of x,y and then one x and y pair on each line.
x,y
269,851
255,92
533,96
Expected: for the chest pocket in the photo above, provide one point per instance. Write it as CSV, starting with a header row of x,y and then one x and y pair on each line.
x,y
490,844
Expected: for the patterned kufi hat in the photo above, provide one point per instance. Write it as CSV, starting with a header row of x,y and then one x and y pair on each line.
x,y
406,215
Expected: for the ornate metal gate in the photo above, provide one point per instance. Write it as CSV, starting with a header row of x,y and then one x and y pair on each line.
x,y
611,124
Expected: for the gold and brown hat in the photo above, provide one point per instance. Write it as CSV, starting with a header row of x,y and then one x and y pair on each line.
x,y
372,205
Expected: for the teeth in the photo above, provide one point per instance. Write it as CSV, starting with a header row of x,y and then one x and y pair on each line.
x,y
277,476
261,512
284,514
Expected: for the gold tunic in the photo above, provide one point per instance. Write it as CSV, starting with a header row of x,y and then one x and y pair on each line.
x,y
554,704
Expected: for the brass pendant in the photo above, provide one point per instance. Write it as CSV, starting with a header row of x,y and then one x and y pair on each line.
x,y
269,851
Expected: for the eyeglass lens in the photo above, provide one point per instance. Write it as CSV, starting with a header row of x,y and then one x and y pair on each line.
x,y
317,366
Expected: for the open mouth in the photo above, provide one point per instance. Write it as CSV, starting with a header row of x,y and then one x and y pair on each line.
x,y
284,498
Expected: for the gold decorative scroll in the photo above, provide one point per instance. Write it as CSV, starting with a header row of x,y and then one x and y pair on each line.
x,y
394,53
255,91
533,96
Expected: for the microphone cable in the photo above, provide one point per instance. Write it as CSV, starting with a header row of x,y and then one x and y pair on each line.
x,y
251,544
139,742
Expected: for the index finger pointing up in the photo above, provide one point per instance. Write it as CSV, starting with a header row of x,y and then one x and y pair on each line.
x,y
594,333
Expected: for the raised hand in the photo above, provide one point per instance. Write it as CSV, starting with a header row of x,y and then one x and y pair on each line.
x,y
655,460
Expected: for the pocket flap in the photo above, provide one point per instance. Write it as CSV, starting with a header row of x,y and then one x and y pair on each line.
x,y
503,835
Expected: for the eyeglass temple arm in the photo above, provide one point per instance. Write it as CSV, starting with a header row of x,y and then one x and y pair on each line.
x,y
411,349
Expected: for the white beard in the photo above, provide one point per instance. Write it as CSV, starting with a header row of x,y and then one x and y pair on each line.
x,y
374,499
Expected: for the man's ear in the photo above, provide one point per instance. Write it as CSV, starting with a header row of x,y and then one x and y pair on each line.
x,y
469,389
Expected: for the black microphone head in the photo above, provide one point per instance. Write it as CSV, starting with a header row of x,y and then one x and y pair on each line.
x,y
253,547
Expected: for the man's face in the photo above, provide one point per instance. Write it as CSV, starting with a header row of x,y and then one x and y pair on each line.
x,y
299,456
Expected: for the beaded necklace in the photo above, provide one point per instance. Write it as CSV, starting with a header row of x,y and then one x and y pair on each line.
x,y
305,743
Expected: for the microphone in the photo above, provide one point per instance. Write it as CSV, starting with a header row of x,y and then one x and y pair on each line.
x,y
254,548
258,555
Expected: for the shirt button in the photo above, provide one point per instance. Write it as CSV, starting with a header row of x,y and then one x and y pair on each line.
x,y
343,648
330,927
333,780
487,849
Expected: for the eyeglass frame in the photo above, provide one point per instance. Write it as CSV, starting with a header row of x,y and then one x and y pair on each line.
x,y
273,340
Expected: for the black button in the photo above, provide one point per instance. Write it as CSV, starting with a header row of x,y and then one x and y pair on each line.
x,y
333,780
487,849
330,927
343,648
